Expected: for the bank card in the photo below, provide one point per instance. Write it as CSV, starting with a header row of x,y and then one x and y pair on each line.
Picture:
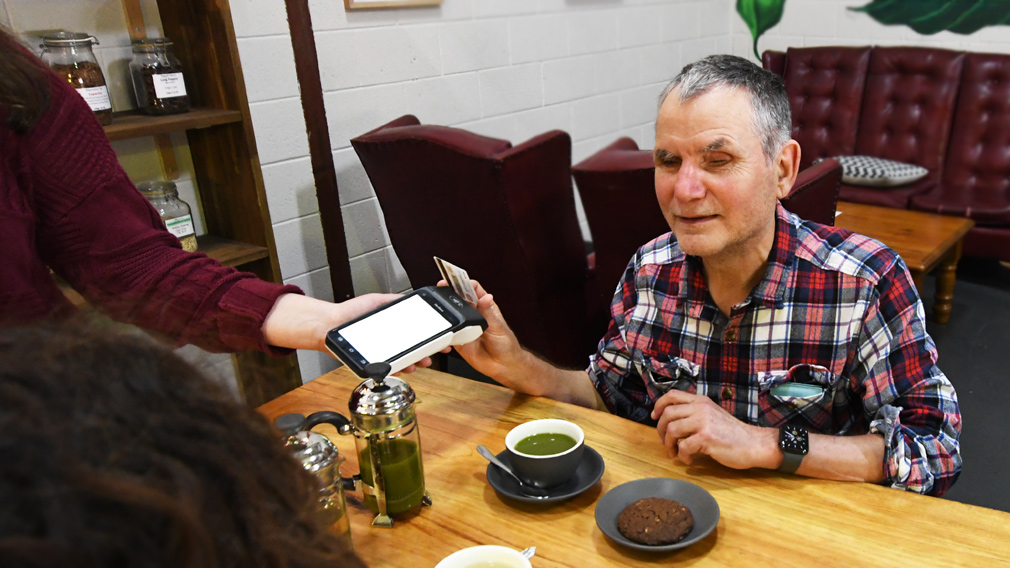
x,y
458,279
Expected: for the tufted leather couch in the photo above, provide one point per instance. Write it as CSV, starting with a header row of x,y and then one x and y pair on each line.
x,y
948,111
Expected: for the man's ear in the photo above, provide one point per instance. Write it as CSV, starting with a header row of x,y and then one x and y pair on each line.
x,y
787,165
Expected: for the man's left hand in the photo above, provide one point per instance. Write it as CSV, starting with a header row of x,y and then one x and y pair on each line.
x,y
691,424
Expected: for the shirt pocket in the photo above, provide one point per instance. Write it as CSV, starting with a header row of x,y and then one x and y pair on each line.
x,y
803,394
660,373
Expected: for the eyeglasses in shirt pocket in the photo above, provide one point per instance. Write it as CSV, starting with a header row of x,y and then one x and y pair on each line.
x,y
803,393
664,372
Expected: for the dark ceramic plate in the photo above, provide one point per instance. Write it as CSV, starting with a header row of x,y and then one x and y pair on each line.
x,y
702,505
589,472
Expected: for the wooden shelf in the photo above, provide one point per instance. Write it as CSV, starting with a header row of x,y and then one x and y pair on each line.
x,y
222,149
133,124
230,253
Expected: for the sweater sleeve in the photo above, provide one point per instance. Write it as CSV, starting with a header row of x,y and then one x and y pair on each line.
x,y
99,233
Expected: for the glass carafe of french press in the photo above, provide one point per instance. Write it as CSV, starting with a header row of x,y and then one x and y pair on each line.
x,y
388,445
387,439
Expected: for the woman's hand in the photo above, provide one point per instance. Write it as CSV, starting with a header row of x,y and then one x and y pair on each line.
x,y
301,322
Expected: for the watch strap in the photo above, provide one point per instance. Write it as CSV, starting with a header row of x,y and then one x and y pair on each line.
x,y
790,462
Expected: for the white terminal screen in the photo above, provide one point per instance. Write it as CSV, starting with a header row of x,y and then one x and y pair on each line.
x,y
389,332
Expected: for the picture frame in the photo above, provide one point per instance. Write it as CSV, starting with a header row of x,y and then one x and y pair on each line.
x,y
386,4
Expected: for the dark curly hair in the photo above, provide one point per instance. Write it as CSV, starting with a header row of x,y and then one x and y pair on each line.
x,y
114,452
24,88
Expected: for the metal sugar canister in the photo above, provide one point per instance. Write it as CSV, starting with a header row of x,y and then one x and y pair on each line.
x,y
69,54
157,77
320,457
388,443
176,213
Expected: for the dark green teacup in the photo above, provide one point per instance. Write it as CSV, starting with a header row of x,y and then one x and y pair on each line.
x,y
545,453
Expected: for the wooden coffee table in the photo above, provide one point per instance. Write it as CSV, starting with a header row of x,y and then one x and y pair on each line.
x,y
924,240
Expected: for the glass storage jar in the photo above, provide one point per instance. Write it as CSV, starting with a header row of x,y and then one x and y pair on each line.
x,y
69,54
178,217
157,77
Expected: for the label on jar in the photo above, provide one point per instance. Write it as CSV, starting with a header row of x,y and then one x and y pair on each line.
x,y
97,97
181,226
168,85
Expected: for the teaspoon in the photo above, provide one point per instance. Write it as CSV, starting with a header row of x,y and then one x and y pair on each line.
x,y
527,490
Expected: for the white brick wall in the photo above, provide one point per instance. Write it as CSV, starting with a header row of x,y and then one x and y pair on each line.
x,y
505,68
592,32
505,90
568,79
637,27
469,45
409,52
510,69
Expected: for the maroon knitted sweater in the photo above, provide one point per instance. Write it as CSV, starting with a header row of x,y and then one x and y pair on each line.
x,y
67,204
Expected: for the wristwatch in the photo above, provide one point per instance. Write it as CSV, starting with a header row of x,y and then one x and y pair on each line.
x,y
794,443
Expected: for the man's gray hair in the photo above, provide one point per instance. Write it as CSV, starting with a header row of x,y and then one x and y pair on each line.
x,y
772,119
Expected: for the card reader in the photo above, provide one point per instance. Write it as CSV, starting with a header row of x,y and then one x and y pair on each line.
x,y
406,330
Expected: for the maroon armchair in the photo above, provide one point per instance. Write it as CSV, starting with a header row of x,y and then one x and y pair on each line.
x,y
617,186
504,213
814,195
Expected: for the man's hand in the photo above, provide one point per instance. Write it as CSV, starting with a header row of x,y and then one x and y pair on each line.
x,y
497,352
690,424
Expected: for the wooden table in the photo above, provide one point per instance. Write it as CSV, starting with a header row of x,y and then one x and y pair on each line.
x,y
924,240
766,519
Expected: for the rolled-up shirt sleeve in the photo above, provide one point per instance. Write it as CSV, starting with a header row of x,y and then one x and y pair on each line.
x,y
907,399
614,375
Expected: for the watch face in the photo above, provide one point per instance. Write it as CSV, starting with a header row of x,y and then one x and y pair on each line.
x,y
794,439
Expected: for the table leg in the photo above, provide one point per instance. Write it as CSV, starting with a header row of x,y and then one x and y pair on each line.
x,y
945,278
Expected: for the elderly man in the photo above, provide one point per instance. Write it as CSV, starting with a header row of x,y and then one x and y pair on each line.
x,y
747,334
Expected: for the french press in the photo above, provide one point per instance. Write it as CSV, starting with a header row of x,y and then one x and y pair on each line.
x,y
388,442
320,457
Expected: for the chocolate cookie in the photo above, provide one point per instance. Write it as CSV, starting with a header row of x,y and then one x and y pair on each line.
x,y
655,521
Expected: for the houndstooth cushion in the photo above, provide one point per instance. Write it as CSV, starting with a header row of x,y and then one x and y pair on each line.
x,y
878,172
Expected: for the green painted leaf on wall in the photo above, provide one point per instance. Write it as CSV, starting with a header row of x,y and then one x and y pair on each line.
x,y
760,16
928,17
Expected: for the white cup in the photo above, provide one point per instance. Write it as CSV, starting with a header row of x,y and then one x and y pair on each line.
x,y
484,556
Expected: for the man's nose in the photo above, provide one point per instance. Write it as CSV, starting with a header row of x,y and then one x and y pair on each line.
x,y
688,185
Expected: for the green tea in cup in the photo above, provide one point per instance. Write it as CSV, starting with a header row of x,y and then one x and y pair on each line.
x,y
545,444
545,453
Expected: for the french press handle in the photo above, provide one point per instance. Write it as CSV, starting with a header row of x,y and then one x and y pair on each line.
x,y
338,420
291,424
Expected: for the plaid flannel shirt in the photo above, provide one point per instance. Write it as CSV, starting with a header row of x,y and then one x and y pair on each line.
x,y
835,309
